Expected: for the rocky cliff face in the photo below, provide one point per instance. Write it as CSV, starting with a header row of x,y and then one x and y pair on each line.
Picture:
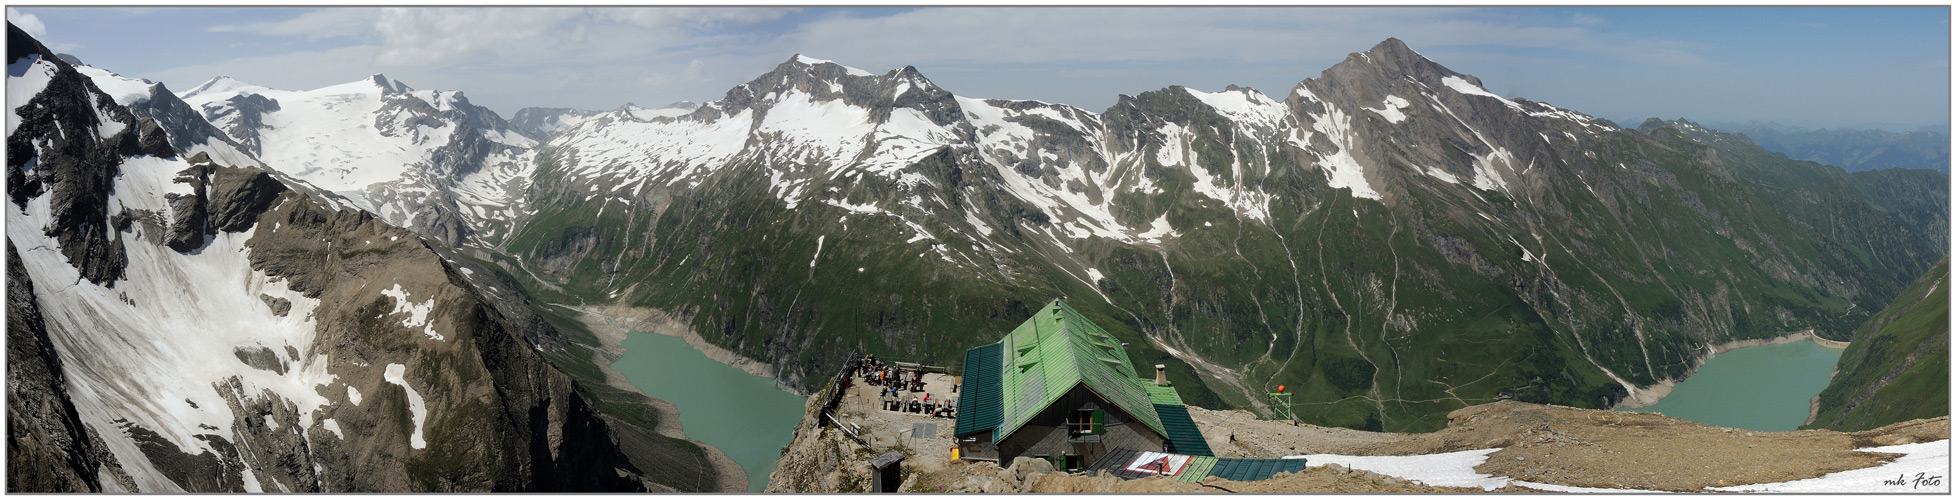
x,y
1355,238
49,448
200,324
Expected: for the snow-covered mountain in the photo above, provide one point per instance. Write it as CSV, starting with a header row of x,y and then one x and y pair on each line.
x,y
544,123
427,160
180,319
1340,237
1389,238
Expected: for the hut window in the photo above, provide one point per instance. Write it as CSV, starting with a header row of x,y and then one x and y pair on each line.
x,y
1086,422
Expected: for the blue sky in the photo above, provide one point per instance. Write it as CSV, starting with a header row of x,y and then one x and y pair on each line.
x,y
1806,66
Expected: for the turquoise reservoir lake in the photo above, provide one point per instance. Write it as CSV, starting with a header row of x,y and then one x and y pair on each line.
x,y
1764,388
745,416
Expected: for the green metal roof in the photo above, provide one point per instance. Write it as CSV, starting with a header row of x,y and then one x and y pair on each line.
x,y
1199,468
1254,469
978,408
1196,470
1056,350
1182,433
1160,394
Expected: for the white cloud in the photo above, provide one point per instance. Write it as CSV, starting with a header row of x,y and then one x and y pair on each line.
x,y
27,22
1276,35
664,17
414,37
314,25
695,71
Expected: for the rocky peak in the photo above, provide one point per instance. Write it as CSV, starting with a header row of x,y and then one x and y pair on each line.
x,y
817,77
1386,65
390,86
70,142
824,80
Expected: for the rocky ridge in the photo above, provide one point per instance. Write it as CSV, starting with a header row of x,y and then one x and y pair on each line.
x,y
220,328
1351,238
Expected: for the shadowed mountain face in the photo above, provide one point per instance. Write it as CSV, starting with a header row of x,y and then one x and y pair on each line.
x,y
1390,239
181,319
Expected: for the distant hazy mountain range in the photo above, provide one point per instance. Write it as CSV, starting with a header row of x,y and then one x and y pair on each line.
x,y
1856,150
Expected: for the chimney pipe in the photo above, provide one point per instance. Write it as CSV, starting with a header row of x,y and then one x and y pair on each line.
x,y
1161,375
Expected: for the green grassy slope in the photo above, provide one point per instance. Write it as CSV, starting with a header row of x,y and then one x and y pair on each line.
x,y
1897,369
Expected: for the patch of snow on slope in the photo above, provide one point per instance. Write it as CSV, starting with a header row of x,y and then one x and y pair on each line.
x,y
854,209
417,313
1586,121
1919,461
1486,176
353,395
218,85
1158,229
922,234
972,218
1244,106
106,126
1341,170
1455,469
123,90
396,374
1461,85
25,79
818,250
163,337
331,425
1003,143
906,137
1442,175
1390,109
1176,150
813,132
652,113
813,61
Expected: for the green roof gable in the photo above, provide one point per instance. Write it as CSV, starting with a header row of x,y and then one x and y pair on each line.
x,y
978,408
1057,350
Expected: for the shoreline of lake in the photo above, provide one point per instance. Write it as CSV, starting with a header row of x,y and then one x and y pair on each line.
x,y
1644,397
611,348
1768,387
699,380
648,320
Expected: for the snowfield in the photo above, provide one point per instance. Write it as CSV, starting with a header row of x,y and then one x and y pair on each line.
x,y
1912,473
25,79
160,343
1909,474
